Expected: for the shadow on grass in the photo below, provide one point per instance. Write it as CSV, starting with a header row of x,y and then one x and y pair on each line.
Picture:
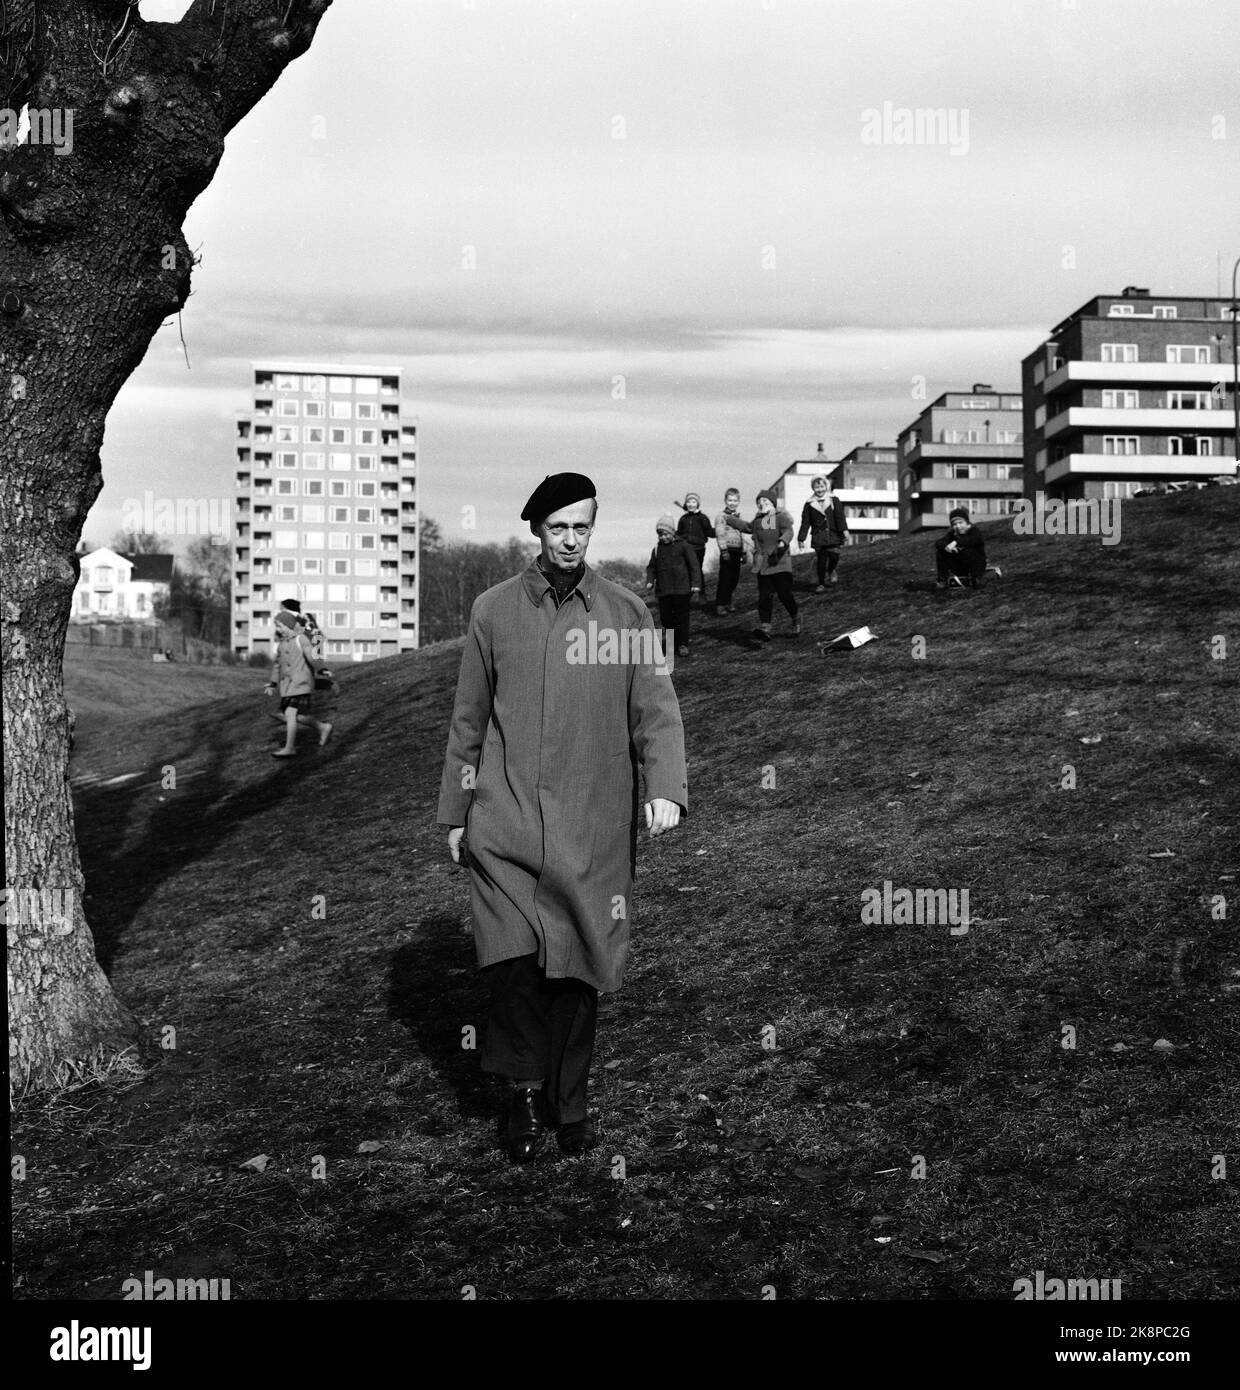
x,y
434,991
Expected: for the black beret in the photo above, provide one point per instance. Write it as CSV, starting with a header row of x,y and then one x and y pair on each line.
x,y
555,491
291,604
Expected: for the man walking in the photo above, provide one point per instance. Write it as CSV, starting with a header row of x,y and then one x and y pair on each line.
x,y
540,791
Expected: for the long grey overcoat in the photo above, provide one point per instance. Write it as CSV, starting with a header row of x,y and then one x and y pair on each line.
x,y
542,766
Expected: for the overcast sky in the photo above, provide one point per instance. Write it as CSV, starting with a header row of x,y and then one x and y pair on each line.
x,y
698,249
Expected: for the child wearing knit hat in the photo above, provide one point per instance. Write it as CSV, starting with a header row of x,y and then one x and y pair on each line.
x,y
694,526
675,575
961,553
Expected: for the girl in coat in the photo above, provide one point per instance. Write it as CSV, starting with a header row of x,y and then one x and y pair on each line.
x,y
771,529
823,520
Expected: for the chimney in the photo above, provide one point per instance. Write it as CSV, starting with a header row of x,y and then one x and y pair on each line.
x,y
1136,292
820,449
979,386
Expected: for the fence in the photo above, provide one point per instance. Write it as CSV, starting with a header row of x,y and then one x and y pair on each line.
x,y
145,637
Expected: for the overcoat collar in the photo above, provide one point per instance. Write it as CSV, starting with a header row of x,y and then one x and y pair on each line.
x,y
536,584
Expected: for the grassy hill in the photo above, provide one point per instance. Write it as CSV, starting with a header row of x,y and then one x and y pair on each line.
x,y
303,1035
105,684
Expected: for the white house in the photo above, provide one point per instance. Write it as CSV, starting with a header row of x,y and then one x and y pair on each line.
x,y
120,587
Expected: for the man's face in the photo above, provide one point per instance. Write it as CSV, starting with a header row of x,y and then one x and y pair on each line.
x,y
566,534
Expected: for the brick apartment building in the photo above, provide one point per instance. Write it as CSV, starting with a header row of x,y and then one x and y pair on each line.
x,y
326,509
1130,390
963,450
864,480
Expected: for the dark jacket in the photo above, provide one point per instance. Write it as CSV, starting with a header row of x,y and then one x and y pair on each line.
x,y
772,540
969,557
695,528
823,528
674,568
542,767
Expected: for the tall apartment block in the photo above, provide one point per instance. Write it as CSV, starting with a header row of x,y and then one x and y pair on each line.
x,y
327,509
963,450
864,481
1130,390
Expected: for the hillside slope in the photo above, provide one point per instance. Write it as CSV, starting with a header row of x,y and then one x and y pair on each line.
x,y
774,1065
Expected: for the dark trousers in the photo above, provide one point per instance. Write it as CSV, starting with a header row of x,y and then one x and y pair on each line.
x,y
729,576
828,557
970,565
701,559
674,614
771,587
538,1027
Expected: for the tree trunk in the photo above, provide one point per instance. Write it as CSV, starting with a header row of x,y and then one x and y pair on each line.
x,y
92,261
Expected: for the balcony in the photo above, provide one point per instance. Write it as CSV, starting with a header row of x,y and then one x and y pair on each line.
x,y
1139,373
1167,421
1149,466
866,496
963,453
874,523
974,487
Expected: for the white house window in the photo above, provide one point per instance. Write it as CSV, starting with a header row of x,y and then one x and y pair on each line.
x,y
976,403
1188,352
1119,444
1119,352
368,436
337,649
340,435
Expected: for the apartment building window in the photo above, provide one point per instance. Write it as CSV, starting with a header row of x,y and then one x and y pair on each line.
x,y
1005,437
286,540
312,487
340,385
313,410
365,463
1115,489
366,543
976,403
316,434
286,434
340,516
312,566
340,567
365,593
1121,311
1200,444
342,410
366,488
1187,353
1189,400
286,408
1119,400
338,540
367,410
339,435
368,436
1165,311
1119,352
342,463
340,487
364,567
337,593
286,460
286,513
312,513
315,385
286,487
367,386
312,540
364,618
313,593
338,617
284,566
962,470
1119,444
364,516
285,382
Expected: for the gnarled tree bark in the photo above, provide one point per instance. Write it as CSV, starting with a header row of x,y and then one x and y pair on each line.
x,y
128,120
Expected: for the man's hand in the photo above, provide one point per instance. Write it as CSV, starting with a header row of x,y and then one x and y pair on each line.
x,y
455,835
661,815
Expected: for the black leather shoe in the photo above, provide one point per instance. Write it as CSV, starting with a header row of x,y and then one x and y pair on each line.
x,y
526,1130
576,1137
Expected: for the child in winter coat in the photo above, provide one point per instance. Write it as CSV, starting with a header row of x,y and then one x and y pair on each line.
x,y
961,552
695,528
675,575
296,665
823,520
771,529
731,552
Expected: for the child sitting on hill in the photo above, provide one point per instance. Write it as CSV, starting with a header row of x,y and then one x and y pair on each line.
x,y
961,552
